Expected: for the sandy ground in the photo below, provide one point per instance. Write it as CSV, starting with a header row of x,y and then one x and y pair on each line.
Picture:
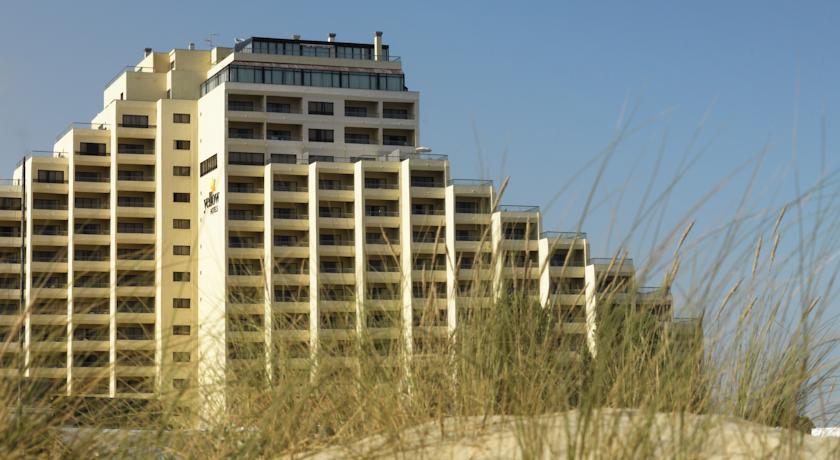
x,y
617,434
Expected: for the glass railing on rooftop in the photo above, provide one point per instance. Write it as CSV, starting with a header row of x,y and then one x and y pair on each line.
x,y
518,208
471,182
564,235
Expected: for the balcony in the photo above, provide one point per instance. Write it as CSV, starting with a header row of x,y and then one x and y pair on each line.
x,y
140,153
612,264
563,235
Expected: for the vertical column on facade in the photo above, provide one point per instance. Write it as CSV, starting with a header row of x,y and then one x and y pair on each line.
x,y
268,271
591,308
498,252
359,244
112,260
406,257
451,261
314,265
545,250
162,188
27,281
71,230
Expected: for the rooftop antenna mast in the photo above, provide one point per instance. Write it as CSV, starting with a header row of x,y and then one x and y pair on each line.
x,y
210,39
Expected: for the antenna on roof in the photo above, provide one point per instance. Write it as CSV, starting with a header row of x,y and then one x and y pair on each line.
x,y
210,39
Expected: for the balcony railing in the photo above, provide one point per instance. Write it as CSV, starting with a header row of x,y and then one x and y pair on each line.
x,y
381,185
610,261
333,186
136,125
233,215
427,212
91,284
244,188
245,244
134,229
564,235
381,213
136,151
124,203
335,214
135,177
471,182
82,125
429,184
290,216
335,242
92,178
52,205
289,188
381,240
518,208
49,180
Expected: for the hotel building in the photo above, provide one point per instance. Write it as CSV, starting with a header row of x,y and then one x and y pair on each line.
x,y
264,203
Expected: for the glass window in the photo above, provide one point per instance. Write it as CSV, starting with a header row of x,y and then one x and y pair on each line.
x,y
181,224
208,165
180,170
180,118
180,303
321,135
320,108
135,121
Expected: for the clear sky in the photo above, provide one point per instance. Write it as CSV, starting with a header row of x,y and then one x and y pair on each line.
x,y
533,90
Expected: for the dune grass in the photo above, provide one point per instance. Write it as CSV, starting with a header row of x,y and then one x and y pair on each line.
x,y
760,347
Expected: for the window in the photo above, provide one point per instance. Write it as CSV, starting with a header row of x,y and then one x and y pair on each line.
x,y
278,107
320,135
91,148
169,94
246,158
208,165
279,135
241,133
180,303
355,111
180,250
179,384
172,65
181,276
401,114
356,138
284,158
180,330
135,121
320,108
244,106
52,177
276,76
181,356
180,170
389,139
181,224
181,197
182,145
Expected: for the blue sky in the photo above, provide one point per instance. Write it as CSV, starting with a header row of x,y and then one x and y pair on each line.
x,y
528,90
